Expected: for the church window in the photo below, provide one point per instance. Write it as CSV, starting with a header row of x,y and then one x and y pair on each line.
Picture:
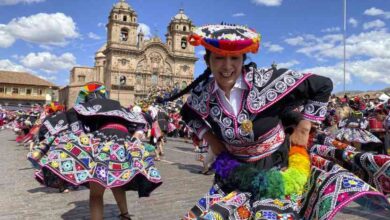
x,y
183,43
124,34
115,16
124,18
134,20
169,81
139,79
184,28
40,91
28,91
81,78
154,79
177,26
183,84
123,61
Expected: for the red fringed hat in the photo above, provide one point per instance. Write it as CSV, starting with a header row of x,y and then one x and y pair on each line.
x,y
226,40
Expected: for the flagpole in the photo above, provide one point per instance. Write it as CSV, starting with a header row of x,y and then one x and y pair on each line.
x,y
344,38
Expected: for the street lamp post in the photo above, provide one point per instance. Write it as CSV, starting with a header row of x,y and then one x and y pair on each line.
x,y
344,39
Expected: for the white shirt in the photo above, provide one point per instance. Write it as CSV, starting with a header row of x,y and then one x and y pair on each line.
x,y
233,103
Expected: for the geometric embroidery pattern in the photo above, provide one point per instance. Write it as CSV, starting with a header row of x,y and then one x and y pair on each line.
x,y
110,160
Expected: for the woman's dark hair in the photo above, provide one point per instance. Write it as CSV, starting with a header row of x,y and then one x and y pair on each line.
x,y
203,77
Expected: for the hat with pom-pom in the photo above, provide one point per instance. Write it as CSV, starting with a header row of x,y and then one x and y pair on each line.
x,y
226,39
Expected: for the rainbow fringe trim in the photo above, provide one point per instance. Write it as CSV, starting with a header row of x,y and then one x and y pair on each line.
x,y
273,183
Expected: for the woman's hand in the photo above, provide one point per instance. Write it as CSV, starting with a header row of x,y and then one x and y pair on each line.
x,y
215,144
300,135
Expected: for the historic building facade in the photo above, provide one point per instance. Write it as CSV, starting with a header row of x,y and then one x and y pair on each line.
x,y
25,89
143,63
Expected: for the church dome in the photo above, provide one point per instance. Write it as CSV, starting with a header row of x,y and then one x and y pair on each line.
x,y
99,53
122,4
181,15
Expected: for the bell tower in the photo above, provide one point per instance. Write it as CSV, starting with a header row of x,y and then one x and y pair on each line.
x,y
178,30
122,25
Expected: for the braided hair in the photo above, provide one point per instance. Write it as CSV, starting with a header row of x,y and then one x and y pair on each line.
x,y
203,77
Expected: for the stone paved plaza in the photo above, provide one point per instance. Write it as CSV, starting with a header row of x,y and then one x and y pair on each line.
x,y
21,197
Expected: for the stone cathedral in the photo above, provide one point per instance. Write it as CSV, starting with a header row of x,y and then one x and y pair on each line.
x,y
140,63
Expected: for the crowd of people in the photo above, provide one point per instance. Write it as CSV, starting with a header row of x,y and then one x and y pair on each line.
x,y
279,145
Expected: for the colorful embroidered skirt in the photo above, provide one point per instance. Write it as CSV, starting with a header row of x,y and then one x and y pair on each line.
x,y
108,157
356,135
329,189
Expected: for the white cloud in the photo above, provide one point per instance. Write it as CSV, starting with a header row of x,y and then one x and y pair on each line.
x,y
94,36
239,14
45,29
377,12
372,44
318,50
6,39
335,73
48,62
268,2
331,29
311,45
14,2
10,66
353,22
369,71
48,78
145,29
373,24
295,41
273,47
366,44
288,64
101,24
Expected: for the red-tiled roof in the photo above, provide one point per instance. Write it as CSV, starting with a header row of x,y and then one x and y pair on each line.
x,y
23,78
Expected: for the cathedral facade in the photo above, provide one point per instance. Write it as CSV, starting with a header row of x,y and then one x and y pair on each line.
x,y
130,65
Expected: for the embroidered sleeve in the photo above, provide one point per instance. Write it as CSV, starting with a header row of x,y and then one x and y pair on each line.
x,y
315,91
315,111
194,121
198,127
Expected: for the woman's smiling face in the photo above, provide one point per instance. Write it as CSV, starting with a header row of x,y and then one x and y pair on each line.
x,y
226,69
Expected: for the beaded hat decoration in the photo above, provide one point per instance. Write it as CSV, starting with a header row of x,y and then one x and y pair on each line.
x,y
91,88
226,40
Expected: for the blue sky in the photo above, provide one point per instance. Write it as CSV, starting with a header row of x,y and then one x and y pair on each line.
x,y
49,37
